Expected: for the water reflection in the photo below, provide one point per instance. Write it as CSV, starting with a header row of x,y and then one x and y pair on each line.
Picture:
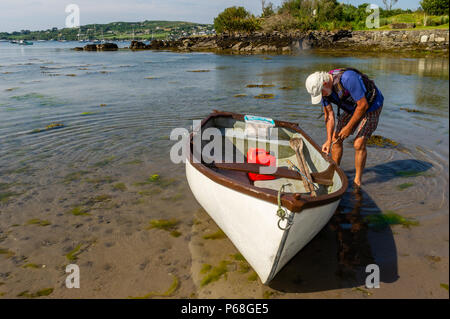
x,y
338,256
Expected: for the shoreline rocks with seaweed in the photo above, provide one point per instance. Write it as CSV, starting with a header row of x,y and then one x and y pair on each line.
x,y
400,41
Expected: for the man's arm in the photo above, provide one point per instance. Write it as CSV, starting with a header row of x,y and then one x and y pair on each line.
x,y
361,107
329,123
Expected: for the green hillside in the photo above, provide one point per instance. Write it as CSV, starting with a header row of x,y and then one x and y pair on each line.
x,y
116,31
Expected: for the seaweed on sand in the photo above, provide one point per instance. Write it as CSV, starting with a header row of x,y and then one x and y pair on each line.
x,y
265,96
217,235
120,187
381,221
169,292
39,222
260,85
41,293
75,176
52,126
215,273
79,211
380,141
5,196
105,162
8,253
404,186
73,254
169,225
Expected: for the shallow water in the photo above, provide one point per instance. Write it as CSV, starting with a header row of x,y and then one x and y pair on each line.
x,y
118,109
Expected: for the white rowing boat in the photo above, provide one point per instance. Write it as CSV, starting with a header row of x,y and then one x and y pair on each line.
x,y
248,211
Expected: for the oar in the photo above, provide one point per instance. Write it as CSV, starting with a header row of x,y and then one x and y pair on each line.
x,y
297,145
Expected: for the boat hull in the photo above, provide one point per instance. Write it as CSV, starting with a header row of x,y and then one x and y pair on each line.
x,y
252,223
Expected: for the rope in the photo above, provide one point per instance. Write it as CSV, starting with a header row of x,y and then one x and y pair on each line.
x,y
303,175
282,212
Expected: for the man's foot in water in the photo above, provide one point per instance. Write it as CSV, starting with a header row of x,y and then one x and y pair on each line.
x,y
356,187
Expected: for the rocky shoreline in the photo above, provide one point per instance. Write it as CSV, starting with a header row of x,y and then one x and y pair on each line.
x,y
430,41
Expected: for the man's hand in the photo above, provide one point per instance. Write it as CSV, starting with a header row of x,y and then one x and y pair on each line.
x,y
345,132
326,147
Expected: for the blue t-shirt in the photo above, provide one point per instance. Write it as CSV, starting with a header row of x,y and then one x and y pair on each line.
x,y
353,83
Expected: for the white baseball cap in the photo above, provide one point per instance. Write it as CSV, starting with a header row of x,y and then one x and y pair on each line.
x,y
314,85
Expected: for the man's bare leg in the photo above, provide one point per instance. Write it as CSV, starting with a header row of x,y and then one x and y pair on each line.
x,y
336,150
360,158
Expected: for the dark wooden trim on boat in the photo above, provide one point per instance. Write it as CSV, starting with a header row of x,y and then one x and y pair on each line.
x,y
280,171
295,202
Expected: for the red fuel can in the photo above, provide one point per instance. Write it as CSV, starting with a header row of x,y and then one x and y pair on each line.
x,y
263,157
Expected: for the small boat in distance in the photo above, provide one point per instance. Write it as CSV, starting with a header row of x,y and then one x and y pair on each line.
x,y
21,42
271,219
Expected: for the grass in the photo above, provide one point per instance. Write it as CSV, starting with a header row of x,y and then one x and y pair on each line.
x,y
169,292
217,235
381,221
445,286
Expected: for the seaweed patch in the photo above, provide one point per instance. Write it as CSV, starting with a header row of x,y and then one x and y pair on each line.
x,y
381,221
215,273
260,85
217,235
264,96
169,292
404,186
41,293
169,225
37,221
380,141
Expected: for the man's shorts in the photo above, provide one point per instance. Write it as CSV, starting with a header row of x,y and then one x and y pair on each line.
x,y
367,125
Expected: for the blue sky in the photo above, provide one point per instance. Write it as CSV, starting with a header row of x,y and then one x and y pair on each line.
x,y
43,14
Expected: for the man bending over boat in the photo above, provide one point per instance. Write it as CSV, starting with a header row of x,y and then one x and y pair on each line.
x,y
359,104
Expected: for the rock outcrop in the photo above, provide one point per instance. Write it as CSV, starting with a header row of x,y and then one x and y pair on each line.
x,y
277,42
100,47
288,42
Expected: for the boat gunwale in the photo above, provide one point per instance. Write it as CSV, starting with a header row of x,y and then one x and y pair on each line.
x,y
295,202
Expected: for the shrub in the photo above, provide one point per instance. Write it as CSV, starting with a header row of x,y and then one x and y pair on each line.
x,y
435,7
236,19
